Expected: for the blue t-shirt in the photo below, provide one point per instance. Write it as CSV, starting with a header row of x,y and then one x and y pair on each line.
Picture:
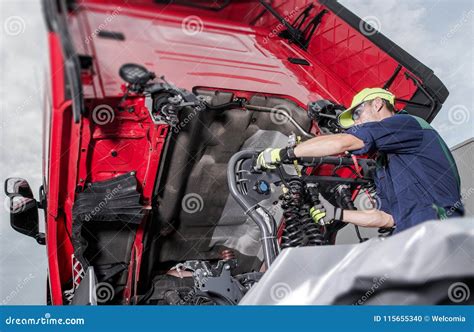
x,y
416,175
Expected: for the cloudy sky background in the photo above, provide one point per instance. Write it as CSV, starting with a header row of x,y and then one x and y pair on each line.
x,y
437,32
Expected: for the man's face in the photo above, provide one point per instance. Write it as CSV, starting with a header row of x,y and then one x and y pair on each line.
x,y
368,111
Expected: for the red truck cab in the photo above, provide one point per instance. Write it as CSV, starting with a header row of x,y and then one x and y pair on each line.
x,y
135,180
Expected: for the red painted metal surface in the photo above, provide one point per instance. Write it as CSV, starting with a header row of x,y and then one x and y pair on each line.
x,y
231,51
228,53
62,137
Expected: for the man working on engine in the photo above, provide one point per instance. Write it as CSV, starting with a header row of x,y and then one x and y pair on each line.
x,y
416,178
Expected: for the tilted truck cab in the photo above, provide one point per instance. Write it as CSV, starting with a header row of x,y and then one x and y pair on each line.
x,y
150,101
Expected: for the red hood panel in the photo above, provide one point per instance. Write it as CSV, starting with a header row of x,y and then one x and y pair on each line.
x,y
219,55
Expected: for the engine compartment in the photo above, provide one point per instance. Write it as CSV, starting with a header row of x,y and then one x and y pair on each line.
x,y
197,169
214,223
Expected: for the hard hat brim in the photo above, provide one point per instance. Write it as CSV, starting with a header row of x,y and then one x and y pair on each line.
x,y
345,118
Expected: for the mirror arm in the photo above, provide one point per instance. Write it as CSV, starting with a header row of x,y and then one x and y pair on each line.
x,y
41,238
41,203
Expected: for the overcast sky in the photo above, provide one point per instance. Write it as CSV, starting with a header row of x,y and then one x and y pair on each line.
x,y
437,32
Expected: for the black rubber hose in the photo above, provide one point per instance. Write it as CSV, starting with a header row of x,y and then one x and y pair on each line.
x,y
342,161
349,204
224,107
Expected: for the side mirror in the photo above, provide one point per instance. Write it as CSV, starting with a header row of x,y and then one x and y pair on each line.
x,y
23,208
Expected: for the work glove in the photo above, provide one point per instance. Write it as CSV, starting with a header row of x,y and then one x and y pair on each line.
x,y
325,212
318,213
270,158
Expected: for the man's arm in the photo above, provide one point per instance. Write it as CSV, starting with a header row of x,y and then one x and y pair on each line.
x,y
328,145
365,218
322,146
368,218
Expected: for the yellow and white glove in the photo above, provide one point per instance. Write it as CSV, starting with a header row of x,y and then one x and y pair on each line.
x,y
325,213
268,159
318,213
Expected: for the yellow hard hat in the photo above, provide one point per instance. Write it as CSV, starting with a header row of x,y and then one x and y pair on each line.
x,y
345,118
